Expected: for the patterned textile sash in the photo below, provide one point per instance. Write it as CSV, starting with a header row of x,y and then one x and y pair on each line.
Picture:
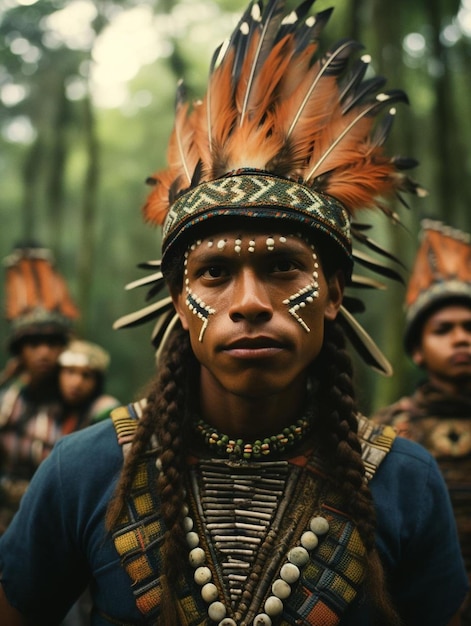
x,y
328,583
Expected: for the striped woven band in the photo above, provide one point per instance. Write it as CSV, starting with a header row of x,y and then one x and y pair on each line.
x,y
253,194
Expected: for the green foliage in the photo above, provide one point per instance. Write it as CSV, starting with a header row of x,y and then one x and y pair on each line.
x,y
77,182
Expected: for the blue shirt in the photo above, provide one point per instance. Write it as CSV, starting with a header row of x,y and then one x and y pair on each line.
x,y
57,543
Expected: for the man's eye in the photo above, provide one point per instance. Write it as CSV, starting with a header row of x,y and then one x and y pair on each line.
x,y
284,265
442,330
213,271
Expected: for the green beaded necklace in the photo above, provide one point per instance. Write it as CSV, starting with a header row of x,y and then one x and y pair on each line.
x,y
223,446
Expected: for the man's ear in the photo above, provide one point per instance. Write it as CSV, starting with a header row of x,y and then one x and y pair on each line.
x,y
417,356
178,299
335,286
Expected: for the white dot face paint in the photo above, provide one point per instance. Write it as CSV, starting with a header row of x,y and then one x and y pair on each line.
x,y
304,296
295,302
196,305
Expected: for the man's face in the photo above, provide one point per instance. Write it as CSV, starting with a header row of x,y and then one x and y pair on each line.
x,y
39,354
445,350
255,305
77,384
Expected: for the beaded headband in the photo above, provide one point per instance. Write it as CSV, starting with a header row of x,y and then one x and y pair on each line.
x,y
282,133
258,195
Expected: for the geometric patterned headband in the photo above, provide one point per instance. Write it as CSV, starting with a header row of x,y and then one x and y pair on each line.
x,y
258,195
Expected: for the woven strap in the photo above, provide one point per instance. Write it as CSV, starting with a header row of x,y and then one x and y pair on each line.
x,y
376,441
329,583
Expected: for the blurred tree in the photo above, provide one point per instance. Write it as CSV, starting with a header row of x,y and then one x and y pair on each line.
x,y
72,165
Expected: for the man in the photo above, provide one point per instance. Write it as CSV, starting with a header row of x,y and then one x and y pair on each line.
x,y
41,313
438,339
82,370
251,491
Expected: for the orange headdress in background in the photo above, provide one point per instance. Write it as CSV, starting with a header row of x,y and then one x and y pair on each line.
x,y
37,298
441,273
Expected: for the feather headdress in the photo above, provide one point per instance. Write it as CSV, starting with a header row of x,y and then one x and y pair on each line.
x,y
283,132
37,297
441,273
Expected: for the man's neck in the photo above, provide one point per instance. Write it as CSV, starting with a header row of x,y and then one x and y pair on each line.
x,y
251,418
451,387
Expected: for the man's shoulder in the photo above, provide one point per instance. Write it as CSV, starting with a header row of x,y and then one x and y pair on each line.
x,y
10,394
82,446
401,409
102,407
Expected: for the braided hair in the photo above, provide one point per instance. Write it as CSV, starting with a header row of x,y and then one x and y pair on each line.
x,y
165,416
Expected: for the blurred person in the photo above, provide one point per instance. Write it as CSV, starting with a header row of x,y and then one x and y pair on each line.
x,y
82,377
438,340
82,373
41,314
245,488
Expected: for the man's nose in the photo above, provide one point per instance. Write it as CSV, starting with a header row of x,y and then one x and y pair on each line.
x,y
461,334
251,298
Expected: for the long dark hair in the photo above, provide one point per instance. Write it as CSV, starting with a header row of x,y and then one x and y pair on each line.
x,y
166,417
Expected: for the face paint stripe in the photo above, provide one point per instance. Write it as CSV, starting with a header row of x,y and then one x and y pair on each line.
x,y
200,309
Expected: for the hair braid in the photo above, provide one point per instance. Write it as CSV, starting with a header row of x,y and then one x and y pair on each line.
x,y
339,429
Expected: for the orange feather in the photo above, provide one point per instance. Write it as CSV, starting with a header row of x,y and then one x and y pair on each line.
x,y
271,105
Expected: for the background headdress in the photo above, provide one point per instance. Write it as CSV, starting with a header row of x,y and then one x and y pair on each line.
x,y
283,132
81,353
441,273
37,298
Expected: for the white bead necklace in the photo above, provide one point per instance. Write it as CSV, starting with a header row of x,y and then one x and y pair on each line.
x,y
281,588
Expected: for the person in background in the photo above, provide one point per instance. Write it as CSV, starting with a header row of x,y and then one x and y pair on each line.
x,y
41,315
245,488
438,339
82,377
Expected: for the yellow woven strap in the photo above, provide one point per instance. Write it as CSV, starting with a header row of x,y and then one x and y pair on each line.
x,y
125,420
376,441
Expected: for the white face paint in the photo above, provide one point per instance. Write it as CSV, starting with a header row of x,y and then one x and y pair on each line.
x,y
295,302
196,305
304,296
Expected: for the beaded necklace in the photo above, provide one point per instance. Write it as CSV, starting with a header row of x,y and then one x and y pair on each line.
x,y
237,449
240,509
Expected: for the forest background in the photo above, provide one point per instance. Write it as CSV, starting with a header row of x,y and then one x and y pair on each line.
x,y
87,98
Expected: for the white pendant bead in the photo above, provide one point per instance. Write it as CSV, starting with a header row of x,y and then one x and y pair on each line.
x,y
197,557
319,525
262,619
192,539
187,524
281,589
202,575
227,621
298,556
273,606
209,592
309,540
217,611
289,573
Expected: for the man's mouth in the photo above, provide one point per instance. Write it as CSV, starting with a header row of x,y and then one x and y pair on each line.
x,y
461,358
254,347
